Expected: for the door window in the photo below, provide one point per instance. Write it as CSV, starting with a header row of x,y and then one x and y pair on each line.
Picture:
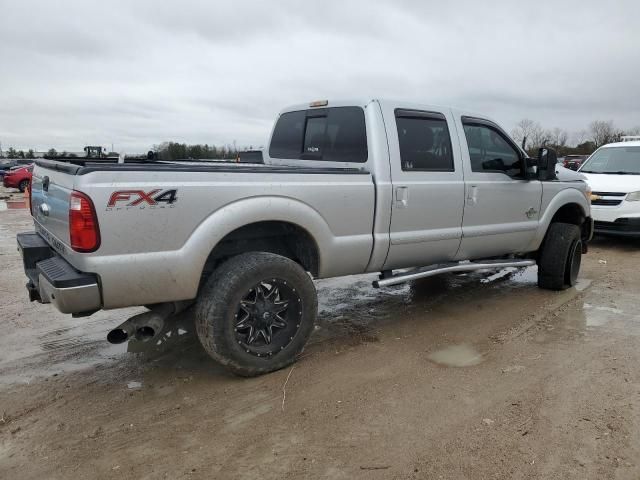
x,y
490,151
425,144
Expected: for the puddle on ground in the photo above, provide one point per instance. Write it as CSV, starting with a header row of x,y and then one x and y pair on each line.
x,y
517,277
351,308
456,356
582,284
356,298
599,313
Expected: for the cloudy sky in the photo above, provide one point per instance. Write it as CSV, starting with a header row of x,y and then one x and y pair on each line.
x,y
138,72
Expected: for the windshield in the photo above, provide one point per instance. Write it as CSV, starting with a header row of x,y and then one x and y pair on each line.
x,y
618,160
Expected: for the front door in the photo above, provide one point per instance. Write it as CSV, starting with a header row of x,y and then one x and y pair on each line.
x,y
502,208
428,188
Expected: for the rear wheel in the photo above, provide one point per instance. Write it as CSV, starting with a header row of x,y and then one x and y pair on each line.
x,y
23,185
256,312
560,257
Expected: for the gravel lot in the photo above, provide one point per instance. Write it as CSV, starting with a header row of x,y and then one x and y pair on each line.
x,y
458,377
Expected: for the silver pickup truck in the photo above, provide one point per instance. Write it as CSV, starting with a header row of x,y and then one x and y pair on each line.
x,y
404,189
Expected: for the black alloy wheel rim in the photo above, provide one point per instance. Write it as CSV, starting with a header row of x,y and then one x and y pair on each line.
x,y
575,259
268,317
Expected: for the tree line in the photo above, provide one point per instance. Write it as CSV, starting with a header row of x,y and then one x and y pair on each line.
x,y
532,136
13,153
528,133
52,152
180,151
164,151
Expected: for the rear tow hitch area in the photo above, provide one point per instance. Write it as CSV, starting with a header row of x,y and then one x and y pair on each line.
x,y
146,326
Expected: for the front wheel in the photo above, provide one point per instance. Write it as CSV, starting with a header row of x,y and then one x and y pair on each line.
x,y
23,185
560,257
256,312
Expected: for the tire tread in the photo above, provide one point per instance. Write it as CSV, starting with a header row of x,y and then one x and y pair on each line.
x,y
552,262
214,298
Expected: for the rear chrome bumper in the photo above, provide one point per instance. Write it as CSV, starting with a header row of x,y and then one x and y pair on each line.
x,y
53,280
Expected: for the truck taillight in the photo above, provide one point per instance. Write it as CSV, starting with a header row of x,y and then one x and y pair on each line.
x,y
84,231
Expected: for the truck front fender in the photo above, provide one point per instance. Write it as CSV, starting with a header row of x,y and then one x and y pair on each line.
x,y
564,200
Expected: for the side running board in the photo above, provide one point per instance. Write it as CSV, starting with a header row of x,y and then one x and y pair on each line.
x,y
437,269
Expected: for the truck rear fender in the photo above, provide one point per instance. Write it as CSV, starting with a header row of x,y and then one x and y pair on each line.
x,y
332,256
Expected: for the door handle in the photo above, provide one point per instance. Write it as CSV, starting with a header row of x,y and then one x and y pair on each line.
x,y
472,195
402,197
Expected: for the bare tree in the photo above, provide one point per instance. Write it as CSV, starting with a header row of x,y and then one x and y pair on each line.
x,y
602,132
580,136
559,137
540,138
524,131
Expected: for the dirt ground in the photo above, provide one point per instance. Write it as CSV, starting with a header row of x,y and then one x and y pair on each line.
x,y
459,377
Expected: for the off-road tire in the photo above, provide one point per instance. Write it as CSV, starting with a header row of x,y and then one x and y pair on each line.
x,y
23,185
218,304
560,257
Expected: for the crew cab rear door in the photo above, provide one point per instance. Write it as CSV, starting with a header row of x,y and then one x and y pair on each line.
x,y
502,208
428,186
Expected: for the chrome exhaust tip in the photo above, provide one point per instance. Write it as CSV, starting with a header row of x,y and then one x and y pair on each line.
x,y
117,335
142,327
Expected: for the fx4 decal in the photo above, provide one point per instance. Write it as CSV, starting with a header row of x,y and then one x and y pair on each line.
x,y
139,198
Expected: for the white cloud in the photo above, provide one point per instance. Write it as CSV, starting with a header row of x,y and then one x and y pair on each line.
x,y
138,73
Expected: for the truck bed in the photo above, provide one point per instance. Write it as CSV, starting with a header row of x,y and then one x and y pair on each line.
x,y
155,251
80,167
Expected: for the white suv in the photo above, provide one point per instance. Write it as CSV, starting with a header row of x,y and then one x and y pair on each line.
x,y
613,173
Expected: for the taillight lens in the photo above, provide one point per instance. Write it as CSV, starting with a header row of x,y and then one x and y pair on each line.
x,y
84,231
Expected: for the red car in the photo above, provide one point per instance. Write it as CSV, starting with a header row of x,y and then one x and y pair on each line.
x,y
19,178
573,162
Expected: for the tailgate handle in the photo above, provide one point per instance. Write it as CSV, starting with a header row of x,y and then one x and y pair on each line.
x,y
44,209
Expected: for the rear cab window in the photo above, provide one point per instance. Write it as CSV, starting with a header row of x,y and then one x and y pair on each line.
x,y
335,134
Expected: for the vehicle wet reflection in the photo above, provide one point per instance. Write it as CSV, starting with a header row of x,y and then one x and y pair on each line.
x,y
176,346
352,305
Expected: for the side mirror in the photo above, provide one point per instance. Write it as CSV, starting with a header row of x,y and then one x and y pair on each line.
x,y
547,160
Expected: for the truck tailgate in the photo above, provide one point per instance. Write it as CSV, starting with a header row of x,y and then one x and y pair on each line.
x,y
50,192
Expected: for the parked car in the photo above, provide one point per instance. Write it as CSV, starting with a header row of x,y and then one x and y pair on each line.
x,y
4,166
573,162
346,188
613,172
250,156
18,177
